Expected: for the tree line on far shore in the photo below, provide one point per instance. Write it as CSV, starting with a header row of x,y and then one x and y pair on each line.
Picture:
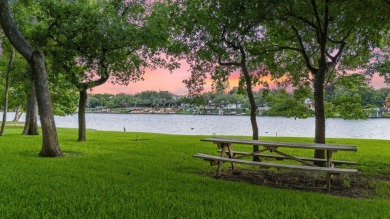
x,y
342,101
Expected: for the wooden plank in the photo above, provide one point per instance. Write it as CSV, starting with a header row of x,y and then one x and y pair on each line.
x,y
283,144
223,153
329,158
328,164
301,158
250,154
263,164
293,158
231,155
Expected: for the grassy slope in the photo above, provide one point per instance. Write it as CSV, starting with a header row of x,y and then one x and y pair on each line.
x,y
156,177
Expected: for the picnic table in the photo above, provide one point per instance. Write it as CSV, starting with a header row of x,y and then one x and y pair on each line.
x,y
225,148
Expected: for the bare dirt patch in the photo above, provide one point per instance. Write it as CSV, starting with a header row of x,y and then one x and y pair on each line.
x,y
345,185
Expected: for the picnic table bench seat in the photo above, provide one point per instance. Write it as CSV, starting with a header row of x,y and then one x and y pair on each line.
x,y
277,165
278,157
225,148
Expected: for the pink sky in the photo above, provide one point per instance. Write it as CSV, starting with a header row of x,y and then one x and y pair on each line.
x,y
162,80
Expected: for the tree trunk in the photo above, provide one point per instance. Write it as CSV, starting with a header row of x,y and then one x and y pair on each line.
x,y
6,91
31,124
83,97
18,113
248,82
50,146
81,114
319,114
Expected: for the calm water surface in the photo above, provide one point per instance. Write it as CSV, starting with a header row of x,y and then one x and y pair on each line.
x,y
228,125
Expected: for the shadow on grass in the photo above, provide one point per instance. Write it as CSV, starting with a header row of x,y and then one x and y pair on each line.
x,y
66,154
143,139
71,154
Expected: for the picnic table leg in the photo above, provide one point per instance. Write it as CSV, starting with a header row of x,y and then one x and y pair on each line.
x,y
223,152
231,155
328,164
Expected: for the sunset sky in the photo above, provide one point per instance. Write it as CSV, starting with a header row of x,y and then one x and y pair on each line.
x,y
162,80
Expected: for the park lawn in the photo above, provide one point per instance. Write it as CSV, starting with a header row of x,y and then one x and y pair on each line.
x,y
113,175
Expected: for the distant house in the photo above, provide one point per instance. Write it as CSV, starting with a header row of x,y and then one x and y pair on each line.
x,y
105,110
308,103
99,109
234,106
375,113
137,110
386,106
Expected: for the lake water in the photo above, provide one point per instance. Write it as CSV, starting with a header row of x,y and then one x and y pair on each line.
x,y
227,125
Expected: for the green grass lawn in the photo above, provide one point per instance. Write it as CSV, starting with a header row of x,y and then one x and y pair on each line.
x,y
113,176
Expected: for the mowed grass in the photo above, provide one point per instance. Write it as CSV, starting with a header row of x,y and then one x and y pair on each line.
x,y
114,176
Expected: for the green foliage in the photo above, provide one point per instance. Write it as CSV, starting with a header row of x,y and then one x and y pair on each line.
x,y
348,32
61,90
351,98
288,105
195,100
214,35
18,89
145,99
318,41
380,62
64,99
351,82
225,98
93,41
113,175
349,107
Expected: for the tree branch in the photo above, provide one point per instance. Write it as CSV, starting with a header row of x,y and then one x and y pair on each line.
x,y
303,51
11,31
343,39
304,20
289,48
314,5
227,63
338,54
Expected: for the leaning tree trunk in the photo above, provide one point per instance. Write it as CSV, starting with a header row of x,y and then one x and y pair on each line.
x,y
6,91
18,113
248,82
319,114
50,146
31,124
81,114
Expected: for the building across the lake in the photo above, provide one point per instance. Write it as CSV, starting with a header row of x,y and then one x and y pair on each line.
x,y
98,110
375,113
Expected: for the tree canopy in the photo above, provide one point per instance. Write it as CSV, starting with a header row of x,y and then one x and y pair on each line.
x,y
218,36
317,41
93,42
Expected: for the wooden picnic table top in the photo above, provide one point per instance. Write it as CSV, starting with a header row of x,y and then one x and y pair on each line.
x,y
332,147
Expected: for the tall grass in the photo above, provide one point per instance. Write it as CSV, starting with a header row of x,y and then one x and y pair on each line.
x,y
115,175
